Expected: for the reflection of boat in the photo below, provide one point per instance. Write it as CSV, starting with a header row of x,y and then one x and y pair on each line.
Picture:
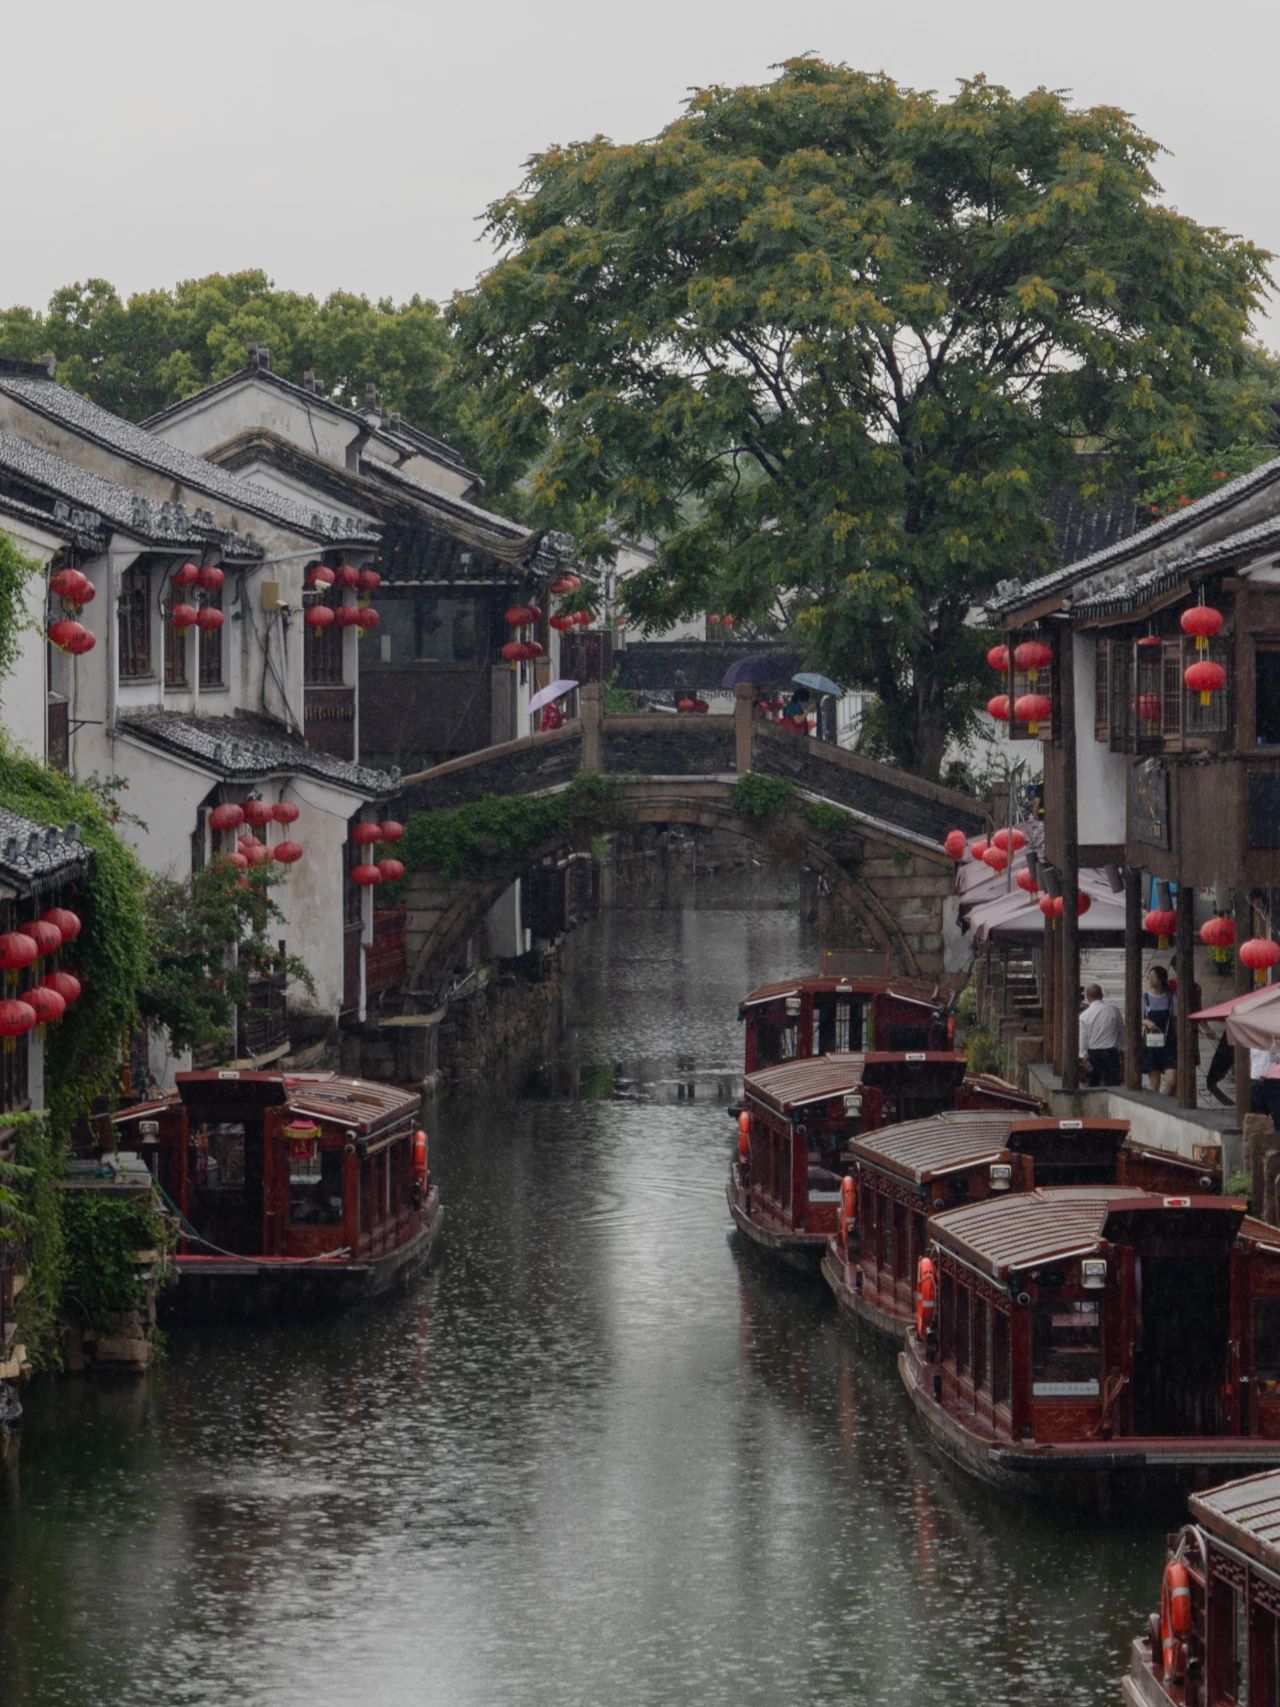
x,y
798,1118
297,1192
853,1005
907,1173
1216,1637
1076,1339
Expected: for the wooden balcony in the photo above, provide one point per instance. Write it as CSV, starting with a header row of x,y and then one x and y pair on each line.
x,y
329,720
263,1021
385,963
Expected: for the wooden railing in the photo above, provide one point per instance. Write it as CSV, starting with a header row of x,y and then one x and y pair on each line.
x,y
263,1020
384,957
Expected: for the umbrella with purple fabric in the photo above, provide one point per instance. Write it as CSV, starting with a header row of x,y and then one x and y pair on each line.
x,y
760,670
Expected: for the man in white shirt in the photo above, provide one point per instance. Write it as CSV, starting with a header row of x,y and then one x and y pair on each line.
x,y
1102,1038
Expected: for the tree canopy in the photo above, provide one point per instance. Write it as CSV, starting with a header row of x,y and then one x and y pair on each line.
x,y
835,344
137,356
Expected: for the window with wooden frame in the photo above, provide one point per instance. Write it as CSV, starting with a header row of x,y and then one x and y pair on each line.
x,y
175,645
1020,730
322,654
1266,692
1101,688
1120,685
209,645
135,625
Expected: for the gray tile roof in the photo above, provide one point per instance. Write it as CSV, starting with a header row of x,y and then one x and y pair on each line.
x,y
1011,597
245,747
78,496
444,500
33,858
37,391
1172,569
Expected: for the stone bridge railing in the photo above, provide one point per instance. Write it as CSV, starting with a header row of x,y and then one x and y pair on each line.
x,y
670,746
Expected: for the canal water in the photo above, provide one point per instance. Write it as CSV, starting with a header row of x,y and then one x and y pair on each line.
x,y
600,1455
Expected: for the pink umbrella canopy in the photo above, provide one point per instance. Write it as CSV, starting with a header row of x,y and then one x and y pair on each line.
x,y
1253,1019
544,696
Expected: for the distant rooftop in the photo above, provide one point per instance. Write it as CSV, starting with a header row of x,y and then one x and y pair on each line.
x,y
33,858
245,747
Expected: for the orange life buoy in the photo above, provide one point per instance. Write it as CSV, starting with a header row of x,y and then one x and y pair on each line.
x,y
1175,1618
744,1124
744,1147
848,1208
420,1157
926,1296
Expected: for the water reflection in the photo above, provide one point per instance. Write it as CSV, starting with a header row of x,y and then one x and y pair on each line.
x,y
601,1453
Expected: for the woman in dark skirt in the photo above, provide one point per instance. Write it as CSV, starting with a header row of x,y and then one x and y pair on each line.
x,y
1159,1032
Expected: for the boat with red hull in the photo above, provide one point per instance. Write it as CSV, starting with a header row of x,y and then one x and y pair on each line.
x,y
298,1193
903,1175
1077,1341
798,1119
1215,1639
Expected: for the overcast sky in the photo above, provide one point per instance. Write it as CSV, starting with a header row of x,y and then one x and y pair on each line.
x,y
353,144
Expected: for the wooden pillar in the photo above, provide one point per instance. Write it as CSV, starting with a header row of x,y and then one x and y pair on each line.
x,y
1184,967
1052,1031
591,713
1242,912
1070,836
744,697
1133,978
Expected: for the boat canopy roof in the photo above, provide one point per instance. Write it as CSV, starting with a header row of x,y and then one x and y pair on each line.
x,y
918,1149
815,1078
359,1104
915,990
1246,1514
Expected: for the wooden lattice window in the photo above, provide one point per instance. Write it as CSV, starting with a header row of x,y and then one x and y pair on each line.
x,y
175,646
135,625
1121,685
210,645
1101,688
1215,718
322,658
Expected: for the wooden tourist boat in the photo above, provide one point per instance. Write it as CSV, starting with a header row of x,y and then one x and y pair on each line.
x,y
1073,1340
797,1120
905,1174
1216,1637
298,1193
853,1005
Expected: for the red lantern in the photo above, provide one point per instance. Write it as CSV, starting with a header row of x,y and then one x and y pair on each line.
x,y
1204,677
566,584
1026,882
1161,923
1202,621
258,811
978,848
1083,904
183,616
996,858
366,876
319,576
998,658
186,576
16,1020
66,984
81,643
714,619
684,705
728,621
392,870
287,853
64,632
347,616
226,817
585,618
520,616
46,937
530,649
1218,933
210,578
998,707
209,619
286,812
1149,709
1046,907
390,831
64,921
65,585
84,593
365,834
563,622
370,580
255,852
46,1004
320,616
1259,954
701,707
512,652
367,617
1033,709
16,951
1032,656
1009,839
346,576
239,860
954,846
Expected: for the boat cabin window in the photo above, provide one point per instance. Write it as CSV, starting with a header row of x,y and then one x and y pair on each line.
x,y
981,1341
947,1316
901,1247
1000,1367
964,1329
886,1235
1264,1657
1066,1346
1266,1344
220,1153
1227,1647
315,1185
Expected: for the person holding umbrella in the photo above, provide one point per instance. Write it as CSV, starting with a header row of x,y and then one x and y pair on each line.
x,y
810,682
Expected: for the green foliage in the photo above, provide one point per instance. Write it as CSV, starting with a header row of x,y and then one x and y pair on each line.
x,y
103,1236
829,820
82,1054
1170,486
984,1053
762,796
619,702
41,1154
1239,1185
137,356
498,827
836,343
14,570
208,940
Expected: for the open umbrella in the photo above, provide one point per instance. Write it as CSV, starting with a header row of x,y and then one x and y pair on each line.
x,y
759,670
544,696
817,684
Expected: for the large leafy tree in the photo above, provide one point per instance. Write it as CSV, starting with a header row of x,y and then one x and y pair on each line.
x,y
136,356
835,343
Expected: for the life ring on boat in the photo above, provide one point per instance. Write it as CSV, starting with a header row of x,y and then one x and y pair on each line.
x,y
848,1208
1175,1618
744,1124
744,1148
926,1296
420,1158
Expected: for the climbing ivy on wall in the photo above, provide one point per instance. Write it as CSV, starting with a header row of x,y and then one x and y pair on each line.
x,y
38,1229
104,1237
499,827
14,571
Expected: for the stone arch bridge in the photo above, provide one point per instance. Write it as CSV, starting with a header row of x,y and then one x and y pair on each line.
x,y
885,869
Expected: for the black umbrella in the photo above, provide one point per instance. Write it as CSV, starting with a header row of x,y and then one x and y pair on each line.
x,y
761,669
